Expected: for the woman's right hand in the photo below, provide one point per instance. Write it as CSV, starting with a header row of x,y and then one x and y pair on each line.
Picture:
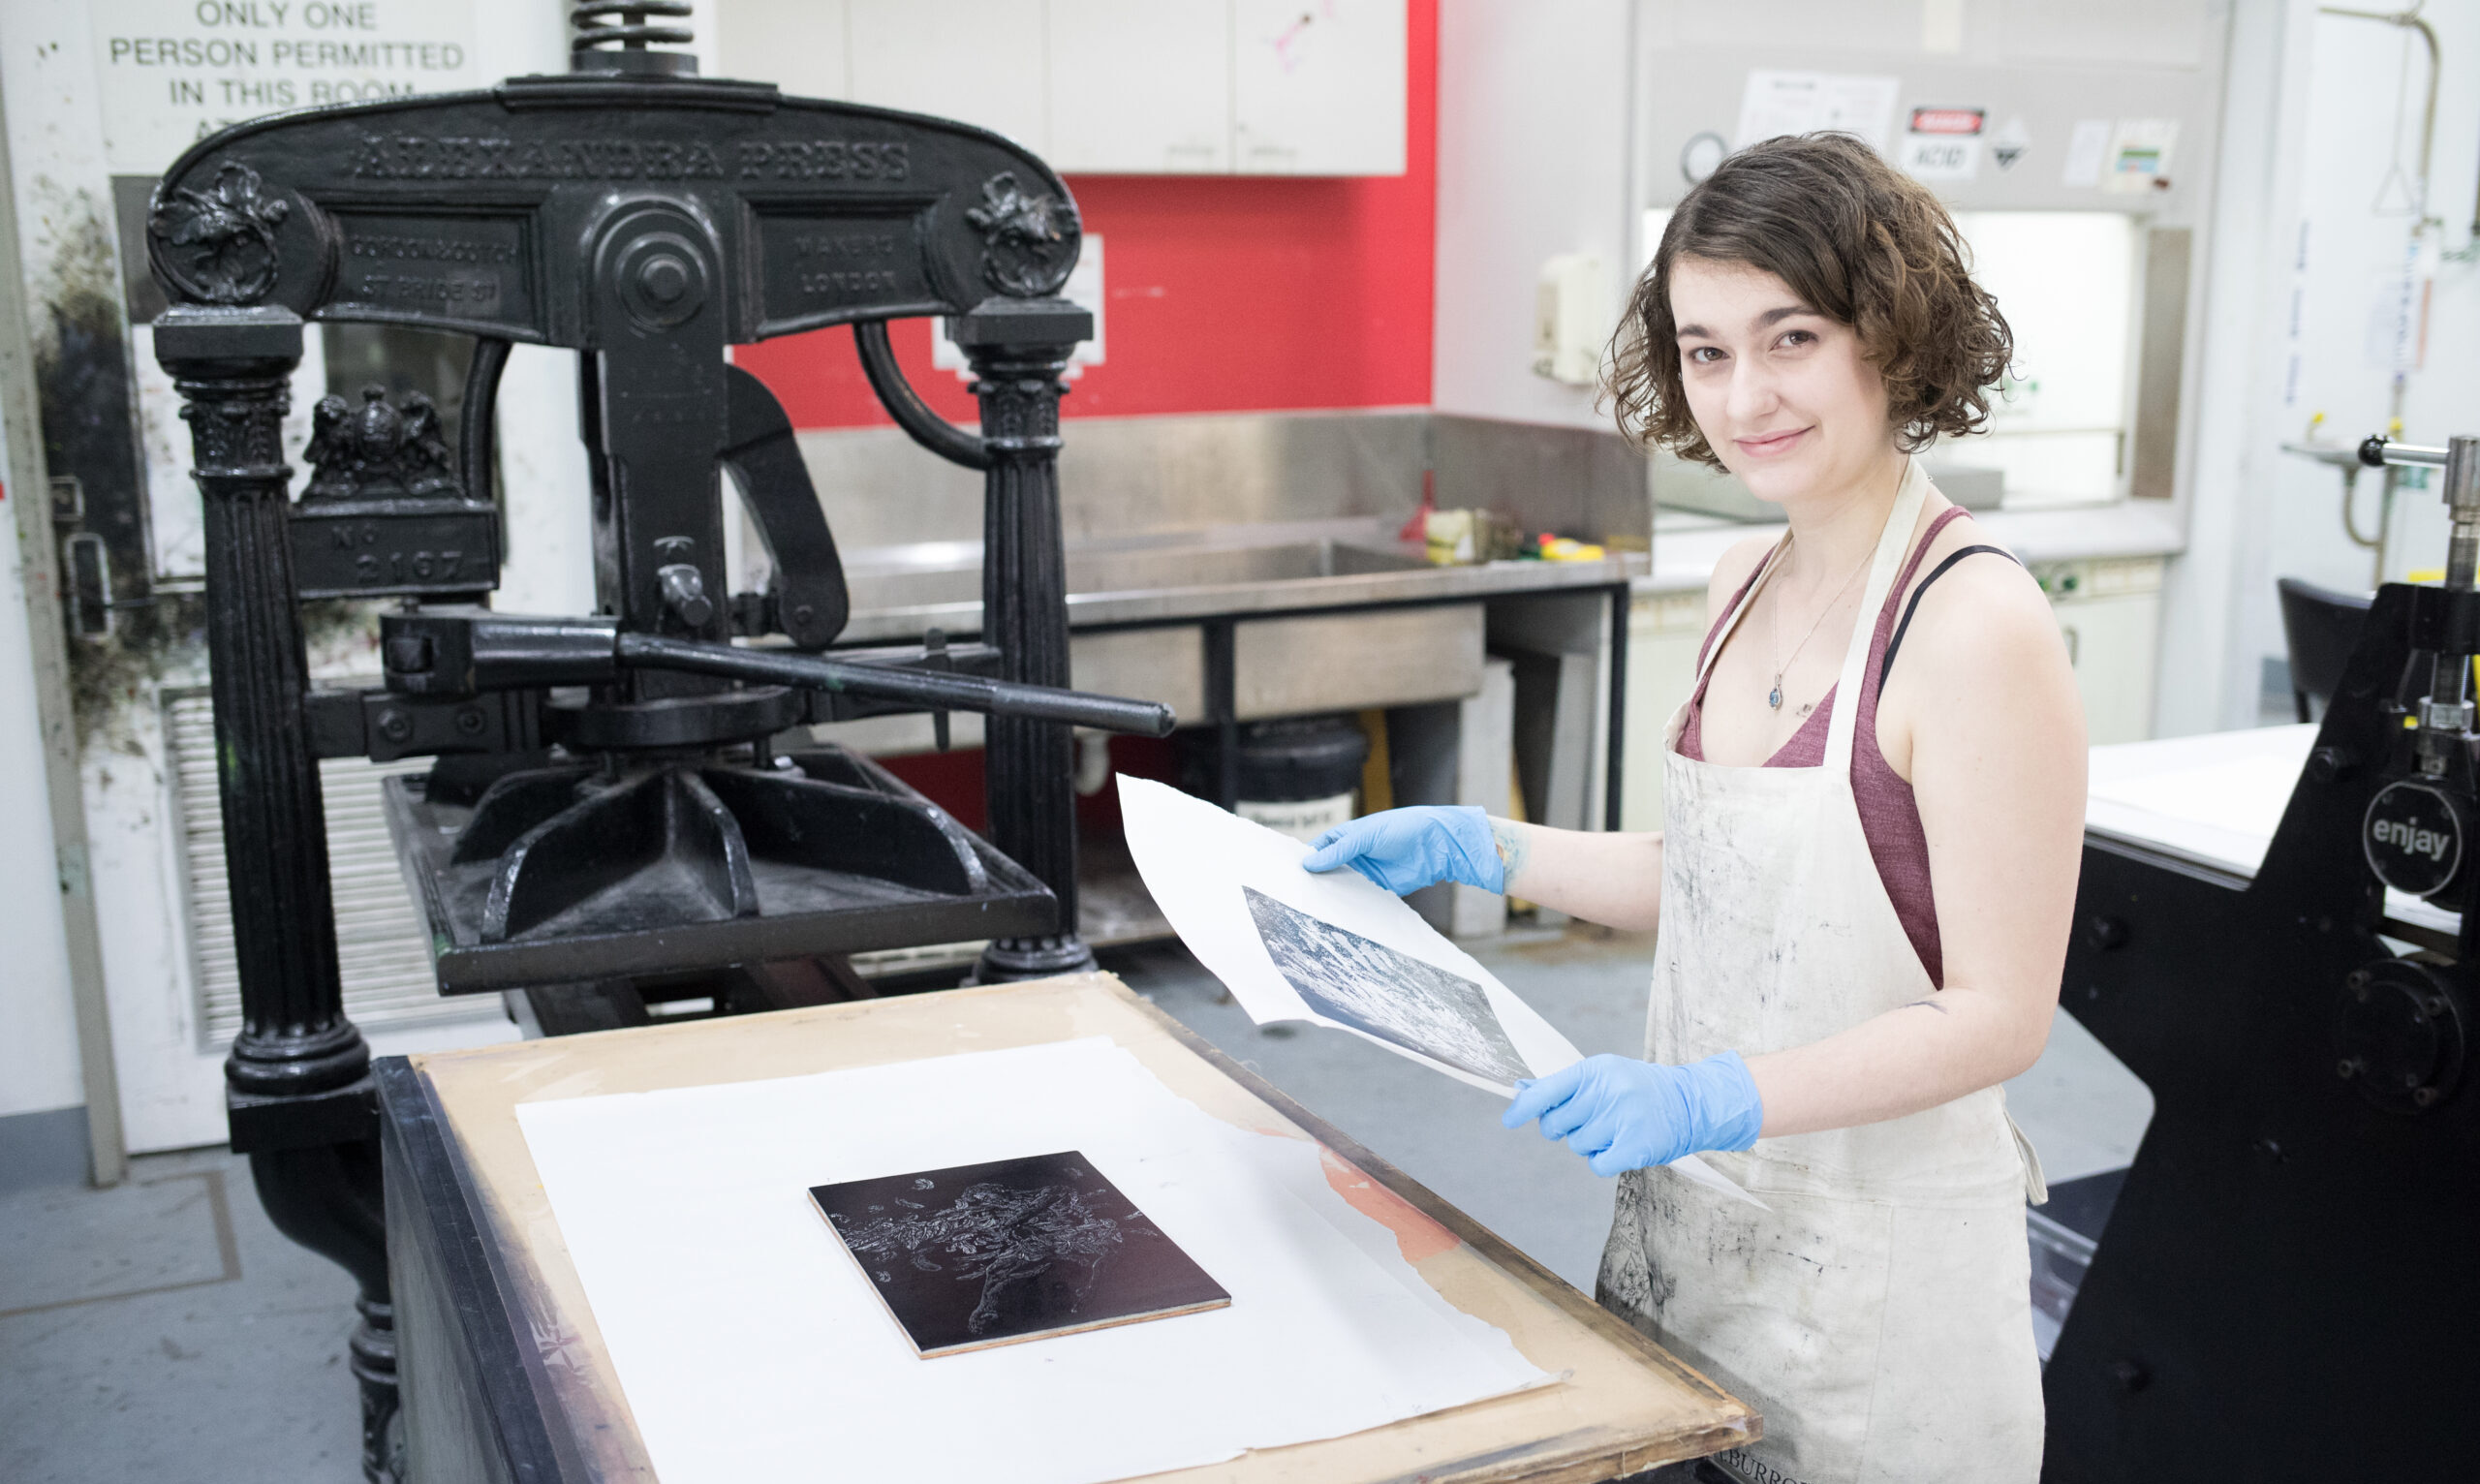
x,y
1405,850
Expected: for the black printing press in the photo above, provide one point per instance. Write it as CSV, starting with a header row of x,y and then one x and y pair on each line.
x,y
628,796
2286,1289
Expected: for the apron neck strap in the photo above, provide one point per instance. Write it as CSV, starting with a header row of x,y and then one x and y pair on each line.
x,y
1893,542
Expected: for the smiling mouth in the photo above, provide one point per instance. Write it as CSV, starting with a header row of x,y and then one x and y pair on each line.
x,y
1766,444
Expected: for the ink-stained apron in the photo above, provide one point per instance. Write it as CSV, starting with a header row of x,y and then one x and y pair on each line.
x,y
1880,1313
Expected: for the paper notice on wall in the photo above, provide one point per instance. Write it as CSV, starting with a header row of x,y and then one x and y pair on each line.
x,y
1778,103
2085,148
172,72
2138,159
1336,949
2396,337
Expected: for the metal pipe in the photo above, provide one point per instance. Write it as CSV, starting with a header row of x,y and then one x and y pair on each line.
x,y
931,689
2422,219
2412,20
2378,452
906,406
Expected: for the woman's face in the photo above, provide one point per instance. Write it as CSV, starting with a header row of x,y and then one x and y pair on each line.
x,y
1780,391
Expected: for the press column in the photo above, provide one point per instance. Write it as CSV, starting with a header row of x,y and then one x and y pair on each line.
x,y
297,1082
1018,348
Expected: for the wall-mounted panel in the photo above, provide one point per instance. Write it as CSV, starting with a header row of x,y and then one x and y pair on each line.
x,y
2114,33
2109,106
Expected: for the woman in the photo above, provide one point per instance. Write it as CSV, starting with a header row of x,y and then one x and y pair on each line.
x,y
1866,872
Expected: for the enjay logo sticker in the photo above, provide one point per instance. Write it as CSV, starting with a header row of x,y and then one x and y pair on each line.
x,y
2413,837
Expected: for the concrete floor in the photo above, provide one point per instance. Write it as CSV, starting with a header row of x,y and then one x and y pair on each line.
x,y
163,1330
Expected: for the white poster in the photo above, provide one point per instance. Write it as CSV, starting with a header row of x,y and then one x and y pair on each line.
x,y
1778,103
172,72
2085,148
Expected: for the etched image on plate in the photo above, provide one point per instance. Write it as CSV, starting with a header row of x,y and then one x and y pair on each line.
x,y
984,1255
1390,995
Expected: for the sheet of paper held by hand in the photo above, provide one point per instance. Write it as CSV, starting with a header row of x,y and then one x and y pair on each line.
x,y
1337,949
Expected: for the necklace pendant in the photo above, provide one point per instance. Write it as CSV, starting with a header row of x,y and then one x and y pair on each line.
x,y
1773,698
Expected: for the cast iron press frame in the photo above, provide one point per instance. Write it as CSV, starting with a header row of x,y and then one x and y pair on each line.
x,y
648,218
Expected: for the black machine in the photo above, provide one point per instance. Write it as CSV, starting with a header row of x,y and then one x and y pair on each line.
x,y
2286,1288
615,793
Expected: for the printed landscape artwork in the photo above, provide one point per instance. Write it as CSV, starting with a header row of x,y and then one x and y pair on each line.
x,y
1011,1249
1390,995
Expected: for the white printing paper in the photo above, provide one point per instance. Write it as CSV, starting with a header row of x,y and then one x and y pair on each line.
x,y
1199,861
1213,872
751,1346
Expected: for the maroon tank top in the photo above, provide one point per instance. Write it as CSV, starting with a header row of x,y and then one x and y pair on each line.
x,y
1889,815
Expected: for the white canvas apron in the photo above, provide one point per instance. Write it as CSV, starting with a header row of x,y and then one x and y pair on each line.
x,y
1879,1315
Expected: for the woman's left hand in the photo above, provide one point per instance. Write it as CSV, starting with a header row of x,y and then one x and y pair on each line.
x,y
1623,1114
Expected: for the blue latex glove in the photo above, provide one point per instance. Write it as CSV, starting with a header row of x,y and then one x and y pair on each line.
x,y
1405,850
1623,1114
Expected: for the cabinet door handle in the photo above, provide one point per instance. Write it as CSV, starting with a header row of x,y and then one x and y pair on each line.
x,y
2074,649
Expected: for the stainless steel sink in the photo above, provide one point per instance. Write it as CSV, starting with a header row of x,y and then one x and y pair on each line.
x,y
1095,570
1174,577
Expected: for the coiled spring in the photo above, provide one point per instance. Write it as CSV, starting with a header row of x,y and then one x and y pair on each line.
x,y
592,27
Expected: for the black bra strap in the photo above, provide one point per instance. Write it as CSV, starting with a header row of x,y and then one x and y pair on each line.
x,y
1887,667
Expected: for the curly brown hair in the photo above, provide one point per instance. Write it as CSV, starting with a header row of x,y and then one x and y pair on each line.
x,y
1857,240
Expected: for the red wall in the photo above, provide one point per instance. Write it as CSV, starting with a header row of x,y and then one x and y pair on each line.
x,y
1226,293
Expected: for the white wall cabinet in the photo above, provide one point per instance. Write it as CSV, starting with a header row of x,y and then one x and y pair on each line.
x,y
980,61
2110,612
1317,89
1109,87
1140,87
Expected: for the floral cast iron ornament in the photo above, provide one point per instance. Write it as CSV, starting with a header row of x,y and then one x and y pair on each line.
x,y
218,245
1029,241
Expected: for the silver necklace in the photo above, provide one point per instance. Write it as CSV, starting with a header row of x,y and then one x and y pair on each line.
x,y
1773,698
